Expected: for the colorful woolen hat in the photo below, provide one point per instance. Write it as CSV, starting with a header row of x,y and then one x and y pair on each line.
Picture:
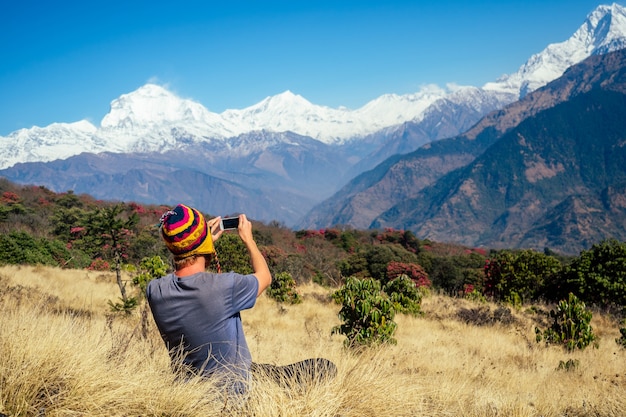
x,y
185,232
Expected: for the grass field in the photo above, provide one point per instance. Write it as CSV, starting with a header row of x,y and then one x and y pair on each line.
x,y
63,353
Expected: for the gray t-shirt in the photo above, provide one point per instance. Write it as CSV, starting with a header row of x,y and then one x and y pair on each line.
x,y
198,317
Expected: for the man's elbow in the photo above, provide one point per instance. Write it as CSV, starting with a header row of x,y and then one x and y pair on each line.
x,y
265,280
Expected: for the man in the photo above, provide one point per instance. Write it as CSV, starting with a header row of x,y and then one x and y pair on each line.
x,y
198,312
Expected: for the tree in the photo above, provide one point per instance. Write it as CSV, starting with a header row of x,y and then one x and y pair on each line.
x,y
410,242
69,200
413,271
232,254
516,277
110,232
149,269
68,222
445,274
146,243
598,275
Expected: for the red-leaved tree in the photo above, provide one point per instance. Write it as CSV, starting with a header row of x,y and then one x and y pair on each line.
x,y
413,271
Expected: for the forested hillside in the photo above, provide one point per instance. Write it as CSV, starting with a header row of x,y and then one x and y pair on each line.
x,y
67,230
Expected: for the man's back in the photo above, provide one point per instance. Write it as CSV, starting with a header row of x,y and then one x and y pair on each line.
x,y
198,317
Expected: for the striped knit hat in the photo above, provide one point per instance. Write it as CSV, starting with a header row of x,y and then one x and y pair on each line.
x,y
185,232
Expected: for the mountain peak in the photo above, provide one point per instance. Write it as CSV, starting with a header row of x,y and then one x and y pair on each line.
x,y
607,25
152,90
283,102
148,105
603,31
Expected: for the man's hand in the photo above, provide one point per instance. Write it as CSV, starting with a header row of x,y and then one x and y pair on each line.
x,y
245,229
214,226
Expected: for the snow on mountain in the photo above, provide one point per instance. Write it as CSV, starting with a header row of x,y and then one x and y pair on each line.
x,y
291,112
392,109
151,104
152,118
152,107
56,141
603,31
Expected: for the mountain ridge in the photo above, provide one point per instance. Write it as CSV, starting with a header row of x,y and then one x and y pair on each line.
x,y
569,160
426,165
153,119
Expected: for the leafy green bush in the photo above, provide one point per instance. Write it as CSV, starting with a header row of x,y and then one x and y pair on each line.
x,y
149,268
22,248
405,295
283,289
518,277
233,255
598,275
571,326
367,313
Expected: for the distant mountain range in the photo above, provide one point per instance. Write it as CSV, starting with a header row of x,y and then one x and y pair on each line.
x,y
546,171
288,160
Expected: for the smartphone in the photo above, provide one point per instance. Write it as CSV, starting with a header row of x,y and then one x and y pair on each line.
x,y
229,223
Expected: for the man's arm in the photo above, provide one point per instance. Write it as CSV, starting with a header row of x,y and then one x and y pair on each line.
x,y
259,265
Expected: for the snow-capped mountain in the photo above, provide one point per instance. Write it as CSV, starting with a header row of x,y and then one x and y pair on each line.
x,y
56,141
152,107
291,112
603,31
153,119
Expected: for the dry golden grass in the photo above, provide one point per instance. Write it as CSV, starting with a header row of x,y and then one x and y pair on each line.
x,y
62,353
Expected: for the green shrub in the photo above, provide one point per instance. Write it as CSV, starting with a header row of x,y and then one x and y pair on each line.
x,y
405,295
22,248
598,275
367,313
233,255
149,268
571,326
518,277
283,289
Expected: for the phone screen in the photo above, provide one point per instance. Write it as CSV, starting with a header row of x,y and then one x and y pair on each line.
x,y
230,223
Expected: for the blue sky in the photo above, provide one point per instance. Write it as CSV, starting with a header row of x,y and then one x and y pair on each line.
x,y
64,61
